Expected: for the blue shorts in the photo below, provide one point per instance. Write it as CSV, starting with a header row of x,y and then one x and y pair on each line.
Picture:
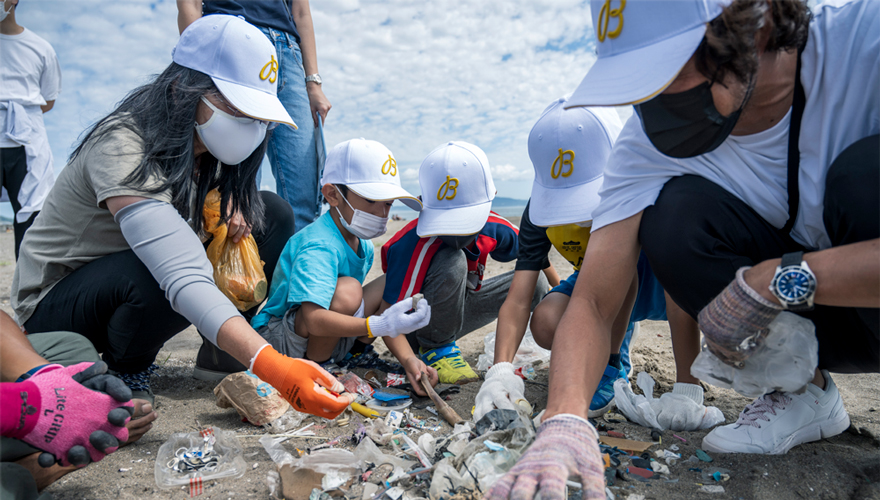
x,y
650,302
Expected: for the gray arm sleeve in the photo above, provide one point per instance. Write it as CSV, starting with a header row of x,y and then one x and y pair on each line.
x,y
172,252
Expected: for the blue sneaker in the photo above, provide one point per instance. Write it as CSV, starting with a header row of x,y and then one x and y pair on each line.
x,y
603,398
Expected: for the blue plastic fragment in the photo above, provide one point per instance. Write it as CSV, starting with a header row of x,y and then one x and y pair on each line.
x,y
702,455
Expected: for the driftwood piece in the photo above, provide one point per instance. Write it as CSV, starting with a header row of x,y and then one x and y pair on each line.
x,y
443,409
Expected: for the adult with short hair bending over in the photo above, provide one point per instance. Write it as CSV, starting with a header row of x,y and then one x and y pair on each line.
x,y
113,257
705,181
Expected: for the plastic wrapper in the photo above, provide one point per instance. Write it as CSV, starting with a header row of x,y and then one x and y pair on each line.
x,y
368,452
355,384
528,354
289,421
224,449
253,399
786,361
276,451
446,480
238,270
490,466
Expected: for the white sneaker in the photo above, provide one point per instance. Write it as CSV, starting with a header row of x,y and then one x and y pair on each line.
x,y
779,421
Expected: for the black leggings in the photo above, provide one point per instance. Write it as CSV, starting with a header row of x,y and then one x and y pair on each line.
x,y
13,170
117,304
697,235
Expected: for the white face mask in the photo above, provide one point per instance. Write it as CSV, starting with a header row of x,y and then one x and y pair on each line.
x,y
229,138
364,225
3,12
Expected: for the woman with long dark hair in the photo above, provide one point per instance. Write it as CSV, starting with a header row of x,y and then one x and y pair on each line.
x,y
116,254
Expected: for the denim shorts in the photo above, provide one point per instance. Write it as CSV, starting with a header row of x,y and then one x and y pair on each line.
x,y
650,302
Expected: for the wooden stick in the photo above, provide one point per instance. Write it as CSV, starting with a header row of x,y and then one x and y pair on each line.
x,y
443,409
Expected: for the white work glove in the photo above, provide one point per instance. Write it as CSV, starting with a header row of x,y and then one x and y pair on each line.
x,y
395,320
683,410
680,410
501,389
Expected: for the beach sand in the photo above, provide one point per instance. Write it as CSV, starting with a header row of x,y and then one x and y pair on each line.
x,y
843,467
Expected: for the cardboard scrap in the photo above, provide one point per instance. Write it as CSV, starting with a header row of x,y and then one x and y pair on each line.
x,y
298,483
625,444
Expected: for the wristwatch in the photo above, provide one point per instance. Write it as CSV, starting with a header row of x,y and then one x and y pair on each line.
x,y
794,283
315,78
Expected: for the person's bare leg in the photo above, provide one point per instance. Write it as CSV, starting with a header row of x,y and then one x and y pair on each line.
x,y
346,300
618,328
685,334
546,316
43,476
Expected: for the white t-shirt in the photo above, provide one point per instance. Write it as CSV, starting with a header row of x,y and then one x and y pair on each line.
x,y
29,73
840,72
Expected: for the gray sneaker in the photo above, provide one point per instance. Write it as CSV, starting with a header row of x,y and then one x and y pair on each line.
x,y
779,421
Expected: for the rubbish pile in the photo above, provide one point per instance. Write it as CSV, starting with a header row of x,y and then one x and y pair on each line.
x,y
393,443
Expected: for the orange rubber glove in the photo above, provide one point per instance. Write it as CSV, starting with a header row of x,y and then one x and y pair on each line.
x,y
303,383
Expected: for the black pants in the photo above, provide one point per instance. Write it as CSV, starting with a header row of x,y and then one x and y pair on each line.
x,y
117,304
697,235
13,169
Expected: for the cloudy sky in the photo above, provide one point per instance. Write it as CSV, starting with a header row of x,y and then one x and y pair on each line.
x,y
410,75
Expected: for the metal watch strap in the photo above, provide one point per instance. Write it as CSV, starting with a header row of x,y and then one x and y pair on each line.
x,y
791,259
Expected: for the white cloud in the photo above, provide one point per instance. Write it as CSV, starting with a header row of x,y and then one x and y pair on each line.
x,y
411,75
508,172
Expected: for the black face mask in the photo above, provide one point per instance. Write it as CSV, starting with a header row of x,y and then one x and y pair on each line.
x,y
458,242
687,124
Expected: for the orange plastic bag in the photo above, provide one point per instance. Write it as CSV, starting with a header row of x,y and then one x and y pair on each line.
x,y
238,270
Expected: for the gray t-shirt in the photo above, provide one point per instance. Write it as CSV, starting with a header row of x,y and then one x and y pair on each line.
x,y
75,227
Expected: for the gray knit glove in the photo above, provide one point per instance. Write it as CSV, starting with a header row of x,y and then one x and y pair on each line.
x,y
566,445
736,322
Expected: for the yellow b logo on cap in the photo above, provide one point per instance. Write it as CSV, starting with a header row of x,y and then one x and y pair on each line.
x,y
450,184
564,158
390,166
270,71
604,20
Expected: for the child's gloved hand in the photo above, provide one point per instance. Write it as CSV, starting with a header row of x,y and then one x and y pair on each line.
x,y
303,383
736,322
501,389
397,319
566,445
74,423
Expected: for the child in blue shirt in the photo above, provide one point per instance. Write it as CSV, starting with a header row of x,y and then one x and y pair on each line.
x,y
318,307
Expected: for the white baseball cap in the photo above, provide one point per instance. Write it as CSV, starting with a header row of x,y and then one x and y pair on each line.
x,y
369,169
457,190
239,59
569,149
642,46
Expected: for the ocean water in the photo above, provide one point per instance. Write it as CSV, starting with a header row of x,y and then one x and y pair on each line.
x,y
504,211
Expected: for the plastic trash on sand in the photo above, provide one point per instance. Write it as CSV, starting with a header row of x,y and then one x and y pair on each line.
x,y
490,466
446,480
671,411
785,362
368,452
197,457
528,354
285,423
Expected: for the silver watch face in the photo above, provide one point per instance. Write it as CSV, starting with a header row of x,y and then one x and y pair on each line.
x,y
315,78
